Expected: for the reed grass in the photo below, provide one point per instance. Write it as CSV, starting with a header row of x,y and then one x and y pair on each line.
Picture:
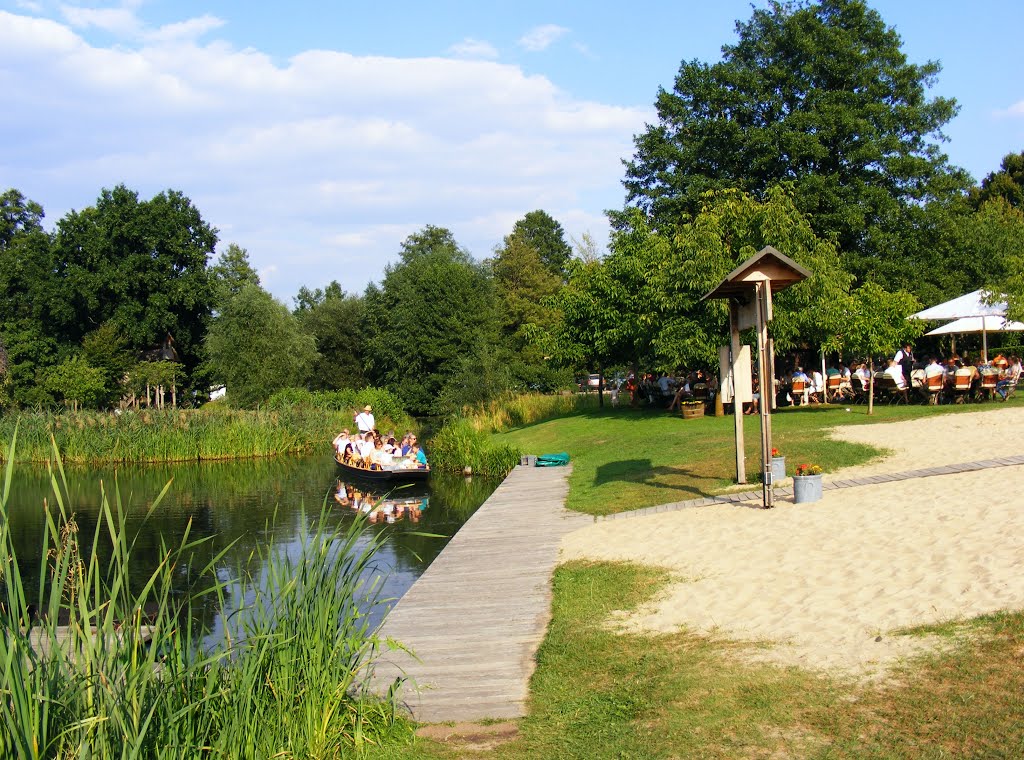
x,y
512,410
459,444
286,677
174,435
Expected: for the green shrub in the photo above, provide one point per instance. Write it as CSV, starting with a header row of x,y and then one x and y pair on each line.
x,y
458,444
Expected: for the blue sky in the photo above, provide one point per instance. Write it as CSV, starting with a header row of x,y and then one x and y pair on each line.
x,y
318,135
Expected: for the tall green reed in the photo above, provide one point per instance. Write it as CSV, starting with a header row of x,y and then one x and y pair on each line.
x,y
96,665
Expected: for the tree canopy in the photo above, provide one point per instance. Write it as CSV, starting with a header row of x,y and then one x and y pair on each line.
x,y
430,321
256,348
819,94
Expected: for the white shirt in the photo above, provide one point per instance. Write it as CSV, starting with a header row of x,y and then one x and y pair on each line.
x,y
365,422
896,373
934,369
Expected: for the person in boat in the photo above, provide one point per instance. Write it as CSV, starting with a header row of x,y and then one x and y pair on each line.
x,y
340,440
365,421
419,456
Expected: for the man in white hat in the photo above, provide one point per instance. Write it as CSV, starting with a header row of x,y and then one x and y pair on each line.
x,y
365,421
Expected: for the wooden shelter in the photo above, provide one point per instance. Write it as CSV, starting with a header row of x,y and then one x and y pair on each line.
x,y
749,288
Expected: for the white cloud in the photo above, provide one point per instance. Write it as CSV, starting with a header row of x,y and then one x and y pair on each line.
x,y
1017,109
190,29
542,37
320,166
121,21
472,48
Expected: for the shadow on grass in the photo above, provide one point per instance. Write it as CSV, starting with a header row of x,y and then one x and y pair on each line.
x,y
644,472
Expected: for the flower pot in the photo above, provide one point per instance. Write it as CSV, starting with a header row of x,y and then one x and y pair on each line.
x,y
692,411
778,469
806,488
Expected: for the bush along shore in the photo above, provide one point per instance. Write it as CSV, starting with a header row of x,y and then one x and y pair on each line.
x,y
467,442
286,673
293,422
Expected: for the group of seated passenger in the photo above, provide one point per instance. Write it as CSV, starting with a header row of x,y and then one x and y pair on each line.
x,y
373,451
379,509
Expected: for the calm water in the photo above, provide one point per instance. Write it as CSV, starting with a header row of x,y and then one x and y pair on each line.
x,y
236,506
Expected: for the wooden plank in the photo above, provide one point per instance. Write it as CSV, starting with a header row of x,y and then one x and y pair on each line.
x,y
476,616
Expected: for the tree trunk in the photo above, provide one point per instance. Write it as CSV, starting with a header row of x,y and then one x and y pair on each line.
x,y
871,387
174,395
600,386
148,403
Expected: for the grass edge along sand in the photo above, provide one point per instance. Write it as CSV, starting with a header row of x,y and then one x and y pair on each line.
x,y
626,459
288,674
601,693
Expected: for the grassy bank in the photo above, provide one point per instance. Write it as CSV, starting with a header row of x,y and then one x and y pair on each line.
x,y
283,678
466,441
211,432
599,693
627,459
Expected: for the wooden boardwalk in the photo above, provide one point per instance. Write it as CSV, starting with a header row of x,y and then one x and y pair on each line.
x,y
475,618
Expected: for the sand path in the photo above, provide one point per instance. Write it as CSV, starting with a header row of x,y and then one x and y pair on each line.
x,y
824,582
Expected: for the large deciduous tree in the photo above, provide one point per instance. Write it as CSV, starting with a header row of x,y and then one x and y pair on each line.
x,y
431,320
540,230
334,319
139,264
524,287
256,347
1007,183
819,94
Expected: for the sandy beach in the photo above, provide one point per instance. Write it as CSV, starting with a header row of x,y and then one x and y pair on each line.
x,y
826,584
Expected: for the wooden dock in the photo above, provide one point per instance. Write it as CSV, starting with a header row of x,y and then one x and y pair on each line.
x,y
475,618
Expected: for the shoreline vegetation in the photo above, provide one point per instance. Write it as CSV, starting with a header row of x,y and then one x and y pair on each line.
x,y
294,421
113,669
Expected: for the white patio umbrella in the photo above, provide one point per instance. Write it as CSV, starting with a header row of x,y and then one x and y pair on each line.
x,y
984,325
969,306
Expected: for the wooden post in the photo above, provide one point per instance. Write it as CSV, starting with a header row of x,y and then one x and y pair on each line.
x,y
737,405
764,294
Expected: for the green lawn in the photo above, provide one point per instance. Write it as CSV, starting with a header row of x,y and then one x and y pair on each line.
x,y
598,693
626,459
602,694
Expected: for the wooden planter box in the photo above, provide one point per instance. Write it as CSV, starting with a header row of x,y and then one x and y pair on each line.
x,y
692,412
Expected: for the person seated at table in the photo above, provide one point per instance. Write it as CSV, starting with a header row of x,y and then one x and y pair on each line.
x,y
895,371
755,405
1010,378
864,373
682,392
968,365
817,387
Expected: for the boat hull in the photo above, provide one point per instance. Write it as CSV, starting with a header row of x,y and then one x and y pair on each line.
x,y
397,475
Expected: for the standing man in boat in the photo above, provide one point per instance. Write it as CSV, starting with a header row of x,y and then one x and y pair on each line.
x,y
365,421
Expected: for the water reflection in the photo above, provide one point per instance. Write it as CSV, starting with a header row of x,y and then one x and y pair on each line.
x,y
234,508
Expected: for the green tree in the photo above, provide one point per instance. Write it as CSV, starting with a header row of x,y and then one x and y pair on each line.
x,y
1007,183
434,308
107,349
141,265
547,237
232,271
78,383
875,324
524,287
32,300
334,319
256,347
819,94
